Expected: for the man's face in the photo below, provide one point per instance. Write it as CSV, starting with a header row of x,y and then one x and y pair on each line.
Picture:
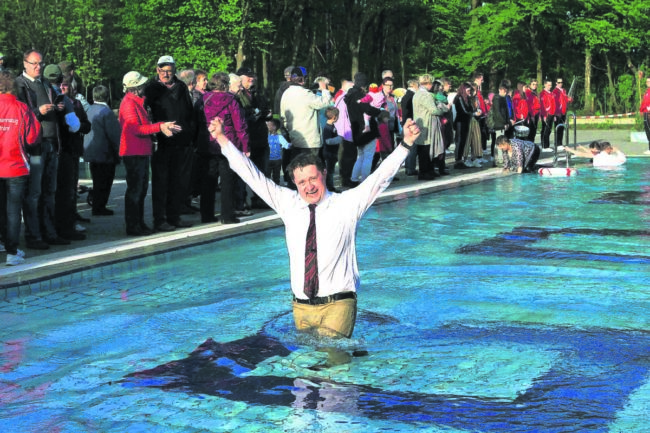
x,y
310,182
247,82
446,87
547,86
533,86
235,87
559,83
166,73
34,65
201,83
503,91
65,89
479,80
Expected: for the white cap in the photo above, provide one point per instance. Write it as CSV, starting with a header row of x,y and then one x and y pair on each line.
x,y
166,59
133,79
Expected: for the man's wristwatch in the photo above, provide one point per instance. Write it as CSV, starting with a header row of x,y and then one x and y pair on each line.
x,y
408,146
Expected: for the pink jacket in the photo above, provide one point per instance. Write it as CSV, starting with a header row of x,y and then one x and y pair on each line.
x,y
136,127
18,129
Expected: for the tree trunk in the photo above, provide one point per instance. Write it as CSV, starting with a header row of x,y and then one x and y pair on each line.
x,y
589,102
613,102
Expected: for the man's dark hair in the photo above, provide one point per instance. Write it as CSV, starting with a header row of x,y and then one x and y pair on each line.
x,y
100,93
477,74
28,52
502,139
303,160
331,112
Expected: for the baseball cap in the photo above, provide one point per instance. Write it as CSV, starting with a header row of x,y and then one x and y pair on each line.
x,y
246,71
52,72
166,60
299,71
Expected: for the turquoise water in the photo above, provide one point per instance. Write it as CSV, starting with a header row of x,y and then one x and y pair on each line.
x,y
516,305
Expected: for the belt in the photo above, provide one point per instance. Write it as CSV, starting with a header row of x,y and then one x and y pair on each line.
x,y
326,299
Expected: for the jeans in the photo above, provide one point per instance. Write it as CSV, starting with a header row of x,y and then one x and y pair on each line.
x,y
12,192
39,202
137,184
362,167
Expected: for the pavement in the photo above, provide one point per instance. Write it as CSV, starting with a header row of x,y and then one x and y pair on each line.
x,y
106,241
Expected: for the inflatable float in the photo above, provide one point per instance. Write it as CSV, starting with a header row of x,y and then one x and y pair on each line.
x,y
557,171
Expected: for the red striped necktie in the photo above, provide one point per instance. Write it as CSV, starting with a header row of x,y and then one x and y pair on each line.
x,y
311,259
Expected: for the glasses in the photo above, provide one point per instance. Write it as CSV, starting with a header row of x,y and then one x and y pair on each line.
x,y
34,63
559,82
166,71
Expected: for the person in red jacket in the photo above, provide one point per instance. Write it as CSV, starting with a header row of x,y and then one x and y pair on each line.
x,y
547,112
521,105
19,129
135,150
562,101
645,109
532,98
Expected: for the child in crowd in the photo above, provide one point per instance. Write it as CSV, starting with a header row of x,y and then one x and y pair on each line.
x,y
374,97
385,140
277,143
331,142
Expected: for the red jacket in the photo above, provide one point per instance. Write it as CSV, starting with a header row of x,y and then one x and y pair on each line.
x,y
136,127
520,106
547,106
645,104
18,129
533,103
561,101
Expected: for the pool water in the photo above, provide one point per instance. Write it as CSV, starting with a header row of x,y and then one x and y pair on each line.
x,y
513,305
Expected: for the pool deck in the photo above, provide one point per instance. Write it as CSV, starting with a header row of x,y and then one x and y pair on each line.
x,y
106,241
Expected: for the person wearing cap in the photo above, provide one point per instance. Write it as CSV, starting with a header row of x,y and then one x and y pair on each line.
x,y
256,112
68,70
299,111
171,162
519,155
136,148
19,130
35,90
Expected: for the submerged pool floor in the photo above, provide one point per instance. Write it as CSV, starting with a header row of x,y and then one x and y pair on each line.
x,y
516,305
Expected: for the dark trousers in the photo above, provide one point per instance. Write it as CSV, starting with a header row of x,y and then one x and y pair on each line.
x,y
103,175
286,159
66,193
38,204
137,184
331,156
547,127
530,167
12,192
424,159
532,124
560,132
462,131
348,158
171,168
210,169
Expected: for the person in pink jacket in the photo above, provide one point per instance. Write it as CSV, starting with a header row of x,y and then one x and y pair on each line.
x,y
19,128
135,150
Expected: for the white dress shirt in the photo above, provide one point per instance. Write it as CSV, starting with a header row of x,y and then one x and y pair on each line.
x,y
337,216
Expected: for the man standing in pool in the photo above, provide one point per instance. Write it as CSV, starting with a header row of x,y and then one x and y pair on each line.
x,y
320,229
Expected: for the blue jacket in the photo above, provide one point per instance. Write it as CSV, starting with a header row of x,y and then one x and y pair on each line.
x,y
102,143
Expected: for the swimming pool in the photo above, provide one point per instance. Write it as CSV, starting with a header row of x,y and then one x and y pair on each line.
x,y
515,305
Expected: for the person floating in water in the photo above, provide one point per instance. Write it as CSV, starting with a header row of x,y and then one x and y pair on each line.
x,y
320,229
603,154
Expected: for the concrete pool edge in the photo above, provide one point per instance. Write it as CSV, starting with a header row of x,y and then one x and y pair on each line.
x,y
75,260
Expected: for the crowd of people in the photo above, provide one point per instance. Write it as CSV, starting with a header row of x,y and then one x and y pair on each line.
x,y
162,129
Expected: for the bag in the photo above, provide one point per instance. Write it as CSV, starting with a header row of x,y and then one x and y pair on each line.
x,y
491,121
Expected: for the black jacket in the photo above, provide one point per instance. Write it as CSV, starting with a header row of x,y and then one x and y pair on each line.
x,y
356,110
168,105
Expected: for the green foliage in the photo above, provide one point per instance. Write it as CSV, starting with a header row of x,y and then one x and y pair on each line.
x,y
625,90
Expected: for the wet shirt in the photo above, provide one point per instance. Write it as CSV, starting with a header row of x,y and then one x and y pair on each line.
x,y
337,216
520,154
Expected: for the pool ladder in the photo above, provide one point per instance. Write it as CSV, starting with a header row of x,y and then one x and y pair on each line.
x,y
566,126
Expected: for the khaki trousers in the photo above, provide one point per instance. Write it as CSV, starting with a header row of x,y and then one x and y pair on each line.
x,y
335,319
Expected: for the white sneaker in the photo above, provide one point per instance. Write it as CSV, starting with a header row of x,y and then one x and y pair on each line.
x,y
468,164
20,253
78,227
477,163
13,260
